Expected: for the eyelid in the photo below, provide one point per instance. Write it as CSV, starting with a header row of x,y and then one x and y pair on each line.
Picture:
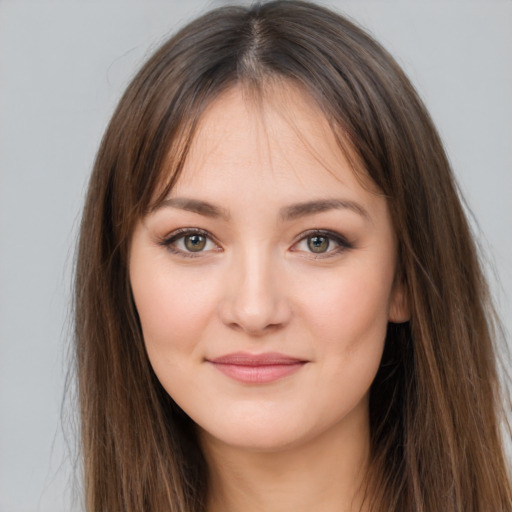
x,y
177,234
343,243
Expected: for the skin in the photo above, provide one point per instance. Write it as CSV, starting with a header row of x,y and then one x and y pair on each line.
x,y
300,442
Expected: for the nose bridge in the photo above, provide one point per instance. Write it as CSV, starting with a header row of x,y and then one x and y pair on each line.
x,y
255,297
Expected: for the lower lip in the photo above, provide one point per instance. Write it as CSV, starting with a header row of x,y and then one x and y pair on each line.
x,y
259,374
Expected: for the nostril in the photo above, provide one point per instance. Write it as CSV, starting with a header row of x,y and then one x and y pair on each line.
x,y
255,323
253,300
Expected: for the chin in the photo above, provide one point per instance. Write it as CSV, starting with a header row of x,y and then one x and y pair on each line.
x,y
255,438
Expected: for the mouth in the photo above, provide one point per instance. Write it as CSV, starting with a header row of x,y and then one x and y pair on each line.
x,y
257,368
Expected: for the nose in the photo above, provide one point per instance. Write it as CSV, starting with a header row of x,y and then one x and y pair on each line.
x,y
255,299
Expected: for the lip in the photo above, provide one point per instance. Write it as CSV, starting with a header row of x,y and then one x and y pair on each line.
x,y
257,368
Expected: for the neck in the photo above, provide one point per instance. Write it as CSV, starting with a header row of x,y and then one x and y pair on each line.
x,y
326,473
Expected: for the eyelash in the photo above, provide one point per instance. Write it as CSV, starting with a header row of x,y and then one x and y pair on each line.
x,y
168,241
342,243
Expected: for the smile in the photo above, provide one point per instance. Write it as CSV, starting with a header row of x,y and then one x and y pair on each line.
x,y
257,368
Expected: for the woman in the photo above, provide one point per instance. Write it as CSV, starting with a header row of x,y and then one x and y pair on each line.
x,y
279,304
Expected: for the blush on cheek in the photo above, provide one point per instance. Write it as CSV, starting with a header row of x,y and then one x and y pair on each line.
x,y
350,306
165,320
174,306
352,325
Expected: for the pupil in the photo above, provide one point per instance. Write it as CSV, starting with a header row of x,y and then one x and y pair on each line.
x,y
195,243
318,243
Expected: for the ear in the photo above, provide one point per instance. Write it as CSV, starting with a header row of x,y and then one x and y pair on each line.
x,y
399,311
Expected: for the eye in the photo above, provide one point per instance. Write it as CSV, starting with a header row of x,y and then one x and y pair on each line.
x,y
194,243
321,243
189,242
318,244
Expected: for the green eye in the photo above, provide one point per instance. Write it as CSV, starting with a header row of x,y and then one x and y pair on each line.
x,y
321,243
190,242
318,244
194,243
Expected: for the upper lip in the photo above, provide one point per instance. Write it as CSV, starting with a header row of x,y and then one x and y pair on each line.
x,y
248,359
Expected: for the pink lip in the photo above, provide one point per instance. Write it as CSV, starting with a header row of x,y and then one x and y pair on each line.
x,y
257,368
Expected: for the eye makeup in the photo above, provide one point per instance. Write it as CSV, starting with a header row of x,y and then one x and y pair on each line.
x,y
190,242
195,242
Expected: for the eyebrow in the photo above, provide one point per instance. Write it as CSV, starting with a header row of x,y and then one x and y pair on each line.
x,y
194,205
298,210
291,212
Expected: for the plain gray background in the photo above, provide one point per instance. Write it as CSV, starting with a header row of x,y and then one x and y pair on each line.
x,y
63,66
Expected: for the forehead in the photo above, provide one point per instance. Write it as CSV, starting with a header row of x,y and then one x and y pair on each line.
x,y
278,141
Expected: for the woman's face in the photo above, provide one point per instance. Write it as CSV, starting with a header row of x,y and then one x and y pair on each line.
x,y
265,282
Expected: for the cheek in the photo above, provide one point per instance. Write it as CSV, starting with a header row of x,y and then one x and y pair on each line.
x,y
349,306
346,313
173,309
347,316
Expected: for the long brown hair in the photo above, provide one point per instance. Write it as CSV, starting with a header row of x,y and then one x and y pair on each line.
x,y
435,405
